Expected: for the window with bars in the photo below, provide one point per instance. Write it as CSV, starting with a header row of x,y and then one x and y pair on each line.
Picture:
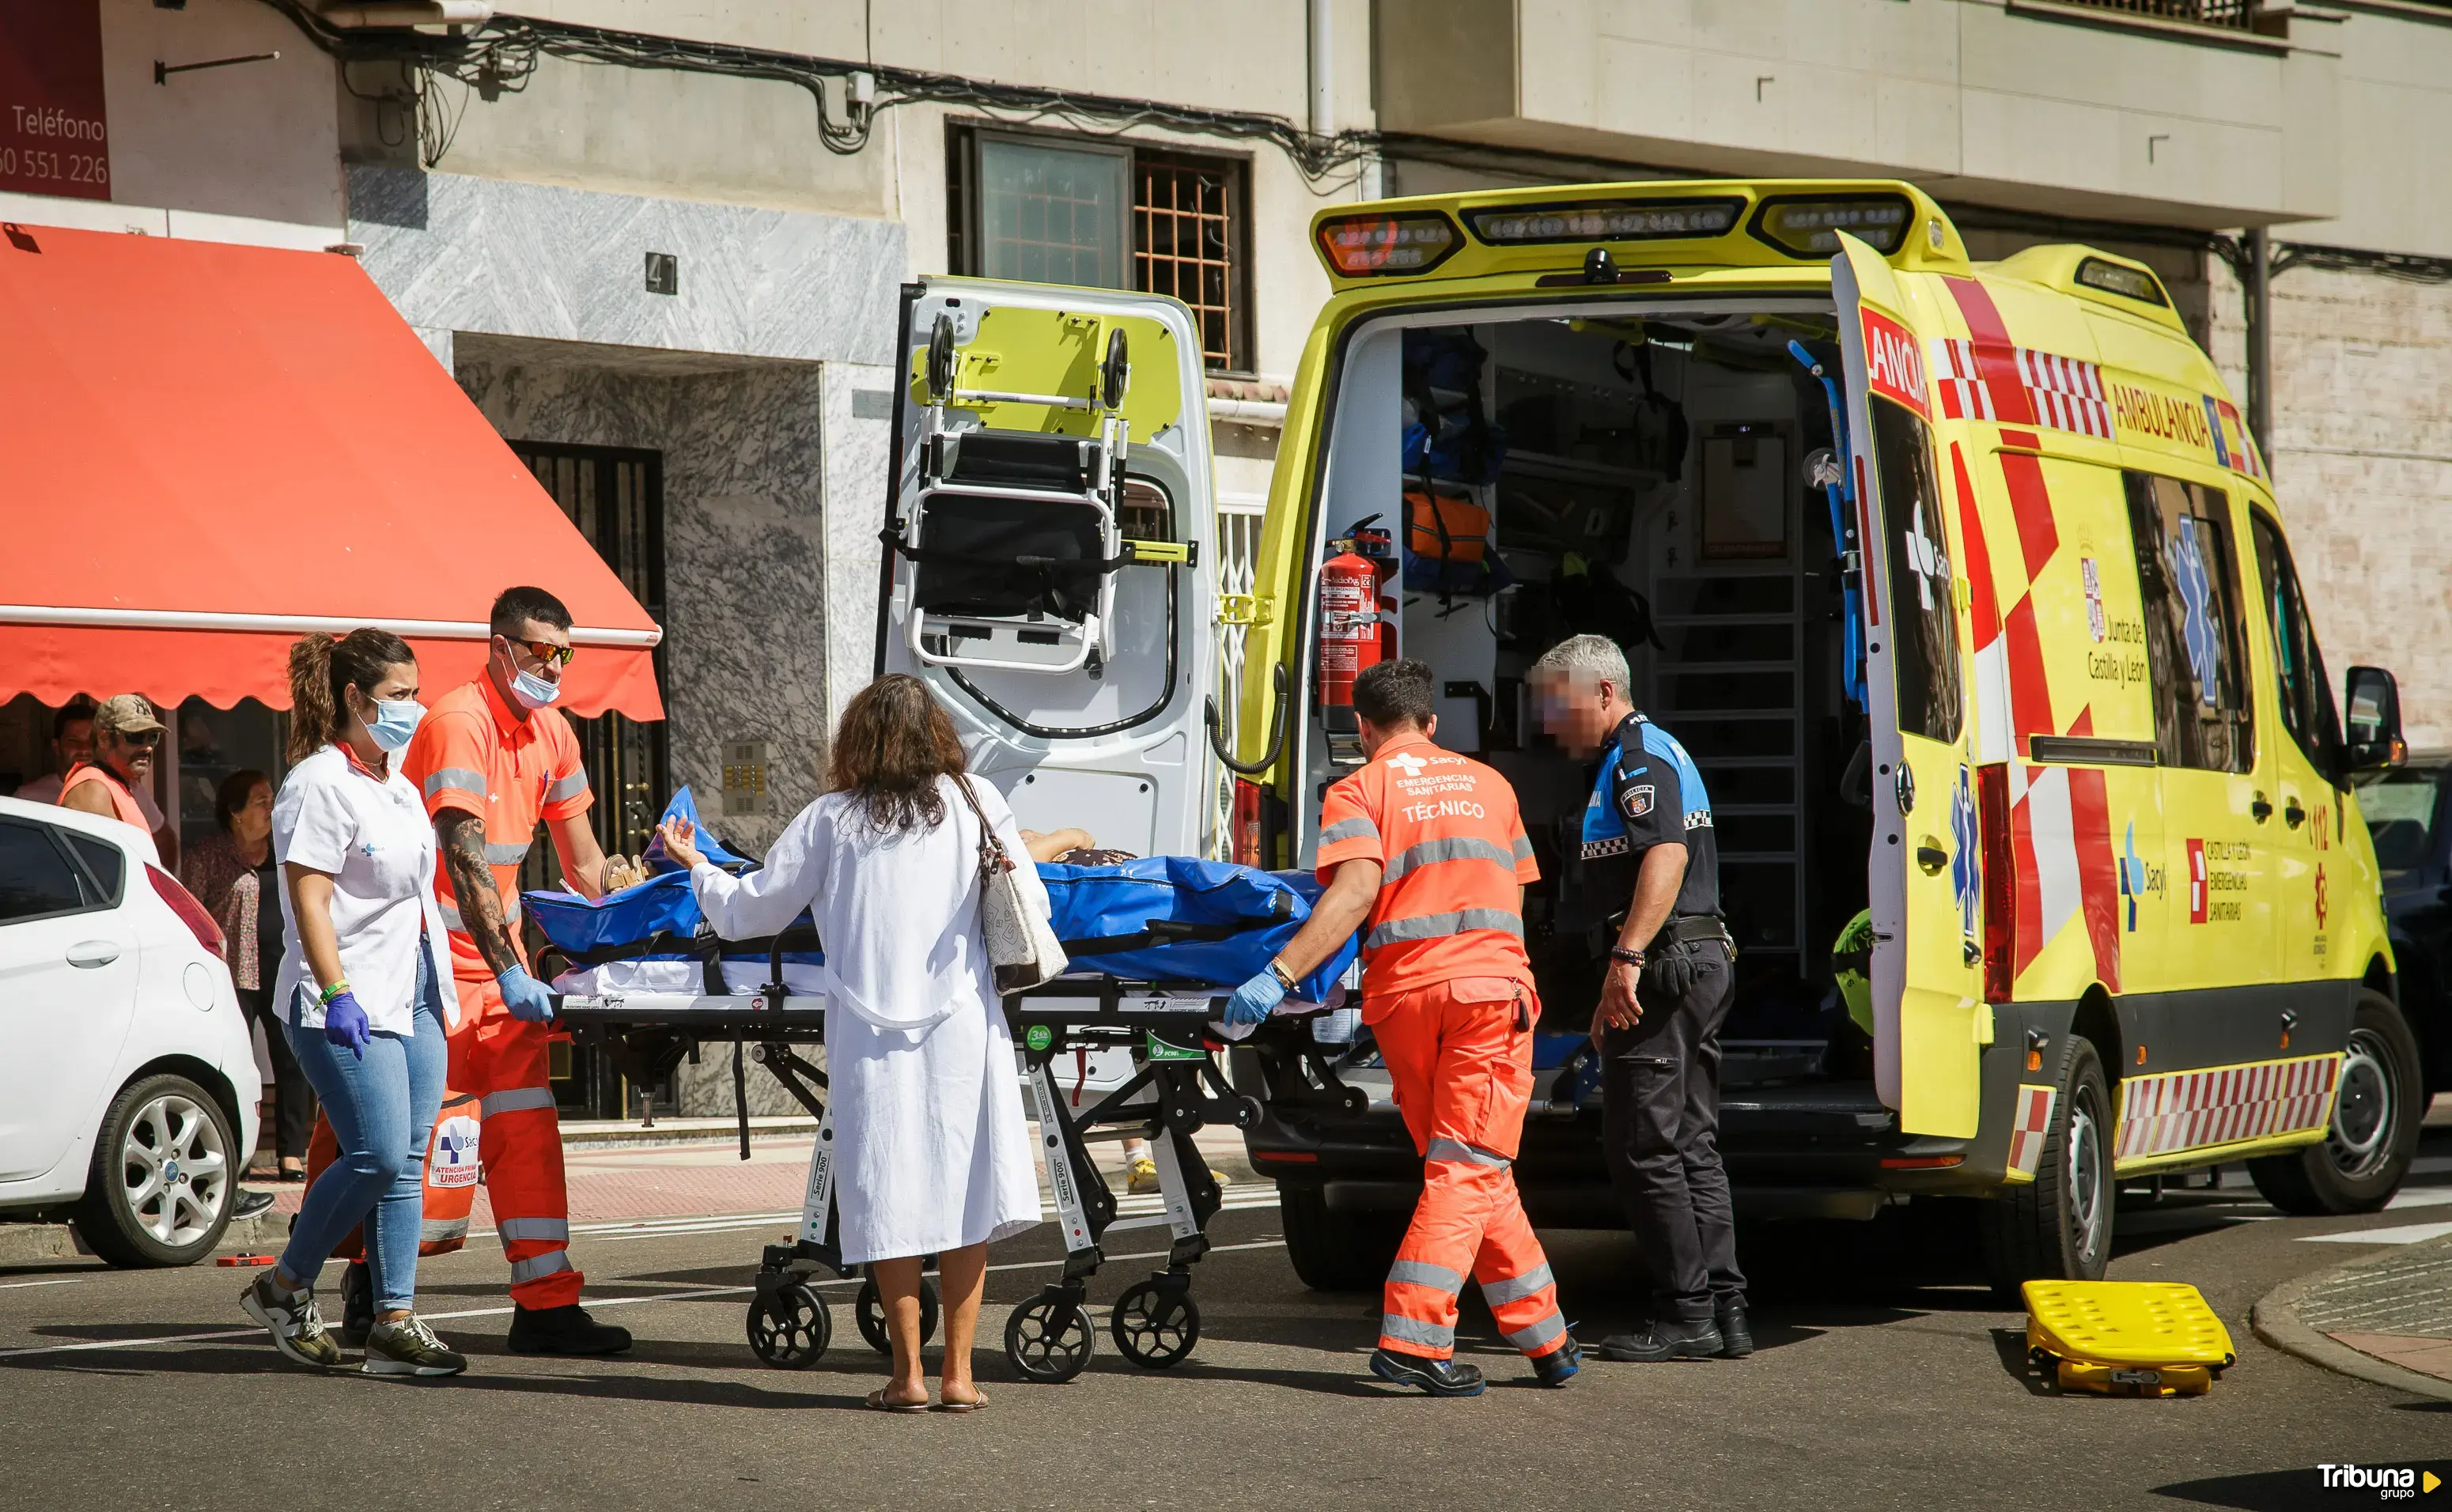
x,y
1058,210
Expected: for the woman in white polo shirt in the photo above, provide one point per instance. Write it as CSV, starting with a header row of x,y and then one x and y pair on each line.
x,y
358,991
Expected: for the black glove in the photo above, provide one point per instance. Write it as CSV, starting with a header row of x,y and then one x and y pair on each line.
x,y
1670,974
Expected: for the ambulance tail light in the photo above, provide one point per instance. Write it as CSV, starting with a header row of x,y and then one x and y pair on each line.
x,y
2000,880
1371,245
1246,828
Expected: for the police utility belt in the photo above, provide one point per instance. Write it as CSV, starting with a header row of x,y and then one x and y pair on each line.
x,y
1674,957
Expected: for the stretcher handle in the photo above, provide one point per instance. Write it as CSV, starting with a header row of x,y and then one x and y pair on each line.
x,y
1276,737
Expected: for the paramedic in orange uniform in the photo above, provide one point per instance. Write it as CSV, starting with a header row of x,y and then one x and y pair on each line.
x,y
1425,846
492,758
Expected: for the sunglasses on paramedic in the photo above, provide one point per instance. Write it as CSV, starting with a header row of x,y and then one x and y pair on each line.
x,y
547,655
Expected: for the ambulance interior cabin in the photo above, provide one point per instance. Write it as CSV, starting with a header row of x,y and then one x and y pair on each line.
x,y
1645,472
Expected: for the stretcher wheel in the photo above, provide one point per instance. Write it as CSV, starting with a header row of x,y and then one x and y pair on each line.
x,y
1155,1326
1049,1338
870,1312
789,1327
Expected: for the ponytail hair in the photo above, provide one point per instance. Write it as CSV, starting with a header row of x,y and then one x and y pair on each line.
x,y
321,667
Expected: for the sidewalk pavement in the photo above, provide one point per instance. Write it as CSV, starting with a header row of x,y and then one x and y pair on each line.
x,y
2385,1318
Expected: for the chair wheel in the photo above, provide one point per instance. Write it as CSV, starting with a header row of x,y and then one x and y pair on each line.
x,y
1049,1338
1155,1324
870,1312
789,1327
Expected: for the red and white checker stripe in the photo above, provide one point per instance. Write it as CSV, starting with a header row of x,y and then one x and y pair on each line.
x,y
2067,393
2035,1122
1963,393
2180,1111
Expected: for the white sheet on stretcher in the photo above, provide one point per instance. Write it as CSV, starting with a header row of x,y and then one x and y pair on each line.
x,y
741,980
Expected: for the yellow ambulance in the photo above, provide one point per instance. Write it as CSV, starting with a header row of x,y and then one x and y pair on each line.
x,y
1962,583
1964,586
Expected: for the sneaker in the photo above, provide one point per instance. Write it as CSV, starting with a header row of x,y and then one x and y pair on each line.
x,y
1736,1334
1665,1339
1439,1378
1140,1176
405,1347
249,1204
357,1305
566,1329
1556,1368
290,1318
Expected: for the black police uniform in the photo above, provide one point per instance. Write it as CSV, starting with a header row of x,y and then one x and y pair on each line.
x,y
1661,1079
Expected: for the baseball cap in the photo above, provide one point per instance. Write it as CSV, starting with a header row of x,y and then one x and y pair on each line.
x,y
127,713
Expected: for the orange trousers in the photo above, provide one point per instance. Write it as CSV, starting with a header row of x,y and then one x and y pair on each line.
x,y
1460,1056
499,1112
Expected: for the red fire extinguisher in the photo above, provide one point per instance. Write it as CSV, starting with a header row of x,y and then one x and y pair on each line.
x,y
1349,632
1379,546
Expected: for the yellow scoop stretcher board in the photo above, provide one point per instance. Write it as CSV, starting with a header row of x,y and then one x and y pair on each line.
x,y
2125,1338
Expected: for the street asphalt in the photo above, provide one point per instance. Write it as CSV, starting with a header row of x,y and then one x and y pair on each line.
x,y
1888,1378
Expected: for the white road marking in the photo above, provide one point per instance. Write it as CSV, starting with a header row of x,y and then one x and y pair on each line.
x,y
63,1281
2418,1197
2405,1234
593,1304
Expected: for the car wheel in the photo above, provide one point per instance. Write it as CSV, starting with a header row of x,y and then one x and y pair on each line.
x,y
2058,1226
2377,1112
163,1178
1336,1251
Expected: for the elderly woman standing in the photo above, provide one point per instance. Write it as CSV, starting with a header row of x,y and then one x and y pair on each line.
x,y
933,1155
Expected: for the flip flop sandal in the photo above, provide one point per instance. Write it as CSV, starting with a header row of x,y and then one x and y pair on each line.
x,y
975,1402
876,1400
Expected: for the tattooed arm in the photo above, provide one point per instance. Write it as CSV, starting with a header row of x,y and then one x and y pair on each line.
x,y
460,837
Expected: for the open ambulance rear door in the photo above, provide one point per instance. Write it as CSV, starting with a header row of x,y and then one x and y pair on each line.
x,y
1049,553
1924,872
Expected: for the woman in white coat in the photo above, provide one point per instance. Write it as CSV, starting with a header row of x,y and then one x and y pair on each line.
x,y
933,1155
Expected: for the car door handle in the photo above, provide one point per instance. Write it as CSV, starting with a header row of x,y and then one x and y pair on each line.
x,y
87,955
2260,809
1931,857
2292,814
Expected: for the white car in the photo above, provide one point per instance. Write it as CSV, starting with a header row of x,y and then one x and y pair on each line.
x,y
128,1079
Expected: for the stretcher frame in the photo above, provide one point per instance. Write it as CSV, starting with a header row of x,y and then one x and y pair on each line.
x,y
1174,1091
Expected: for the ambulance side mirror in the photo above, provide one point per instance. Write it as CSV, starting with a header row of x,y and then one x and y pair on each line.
x,y
2371,735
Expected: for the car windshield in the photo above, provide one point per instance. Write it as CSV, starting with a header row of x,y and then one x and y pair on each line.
x,y
2400,809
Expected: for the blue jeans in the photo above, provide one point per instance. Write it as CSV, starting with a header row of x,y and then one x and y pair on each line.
x,y
382,1110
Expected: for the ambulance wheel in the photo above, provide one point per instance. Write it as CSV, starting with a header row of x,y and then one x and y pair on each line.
x,y
1331,1250
1155,1326
870,1312
2374,1133
789,1327
1049,1338
2058,1226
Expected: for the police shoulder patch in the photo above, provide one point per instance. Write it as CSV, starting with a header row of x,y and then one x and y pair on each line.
x,y
1636,801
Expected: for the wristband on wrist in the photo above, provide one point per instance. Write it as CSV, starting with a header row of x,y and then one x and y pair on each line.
x,y
333,991
1619,952
1284,980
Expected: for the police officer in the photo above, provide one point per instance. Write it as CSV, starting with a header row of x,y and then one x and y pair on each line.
x,y
1648,837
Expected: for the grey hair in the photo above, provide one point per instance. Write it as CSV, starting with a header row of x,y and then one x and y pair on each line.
x,y
1594,657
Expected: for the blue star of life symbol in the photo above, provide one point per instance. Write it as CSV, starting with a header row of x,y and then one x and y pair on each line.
x,y
2197,601
2132,875
1965,874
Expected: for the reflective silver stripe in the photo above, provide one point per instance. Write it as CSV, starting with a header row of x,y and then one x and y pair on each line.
x,y
1455,848
570,787
1523,848
1439,926
451,919
460,779
1348,830
1412,1330
1519,1287
512,1230
441,1230
517,1100
1469,1155
1538,1334
551,1262
505,855
1423,1273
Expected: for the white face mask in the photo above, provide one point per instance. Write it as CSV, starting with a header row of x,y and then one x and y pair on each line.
x,y
531,690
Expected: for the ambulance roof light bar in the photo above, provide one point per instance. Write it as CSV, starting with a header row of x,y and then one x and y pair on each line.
x,y
1371,245
1806,226
1611,220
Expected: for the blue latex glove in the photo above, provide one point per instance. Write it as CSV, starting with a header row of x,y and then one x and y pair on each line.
x,y
344,1023
525,996
1254,999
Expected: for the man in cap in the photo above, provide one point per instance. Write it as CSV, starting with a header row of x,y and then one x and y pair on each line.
x,y
109,770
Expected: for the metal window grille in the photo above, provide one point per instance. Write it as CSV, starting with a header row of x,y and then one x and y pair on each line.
x,y
1240,518
1185,232
2232,15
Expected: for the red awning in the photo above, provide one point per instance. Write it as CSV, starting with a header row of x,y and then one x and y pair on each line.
x,y
212,450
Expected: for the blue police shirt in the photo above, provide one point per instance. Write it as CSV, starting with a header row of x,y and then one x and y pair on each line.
x,y
1649,792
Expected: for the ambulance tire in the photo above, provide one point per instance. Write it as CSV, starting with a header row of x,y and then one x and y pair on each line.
x,y
2376,1115
2058,1226
1336,1251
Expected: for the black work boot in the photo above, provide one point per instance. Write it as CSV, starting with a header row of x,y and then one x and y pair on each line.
x,y
566,1329
357,1303
1736,1335
1553,1369
1665,1339
1440,1378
